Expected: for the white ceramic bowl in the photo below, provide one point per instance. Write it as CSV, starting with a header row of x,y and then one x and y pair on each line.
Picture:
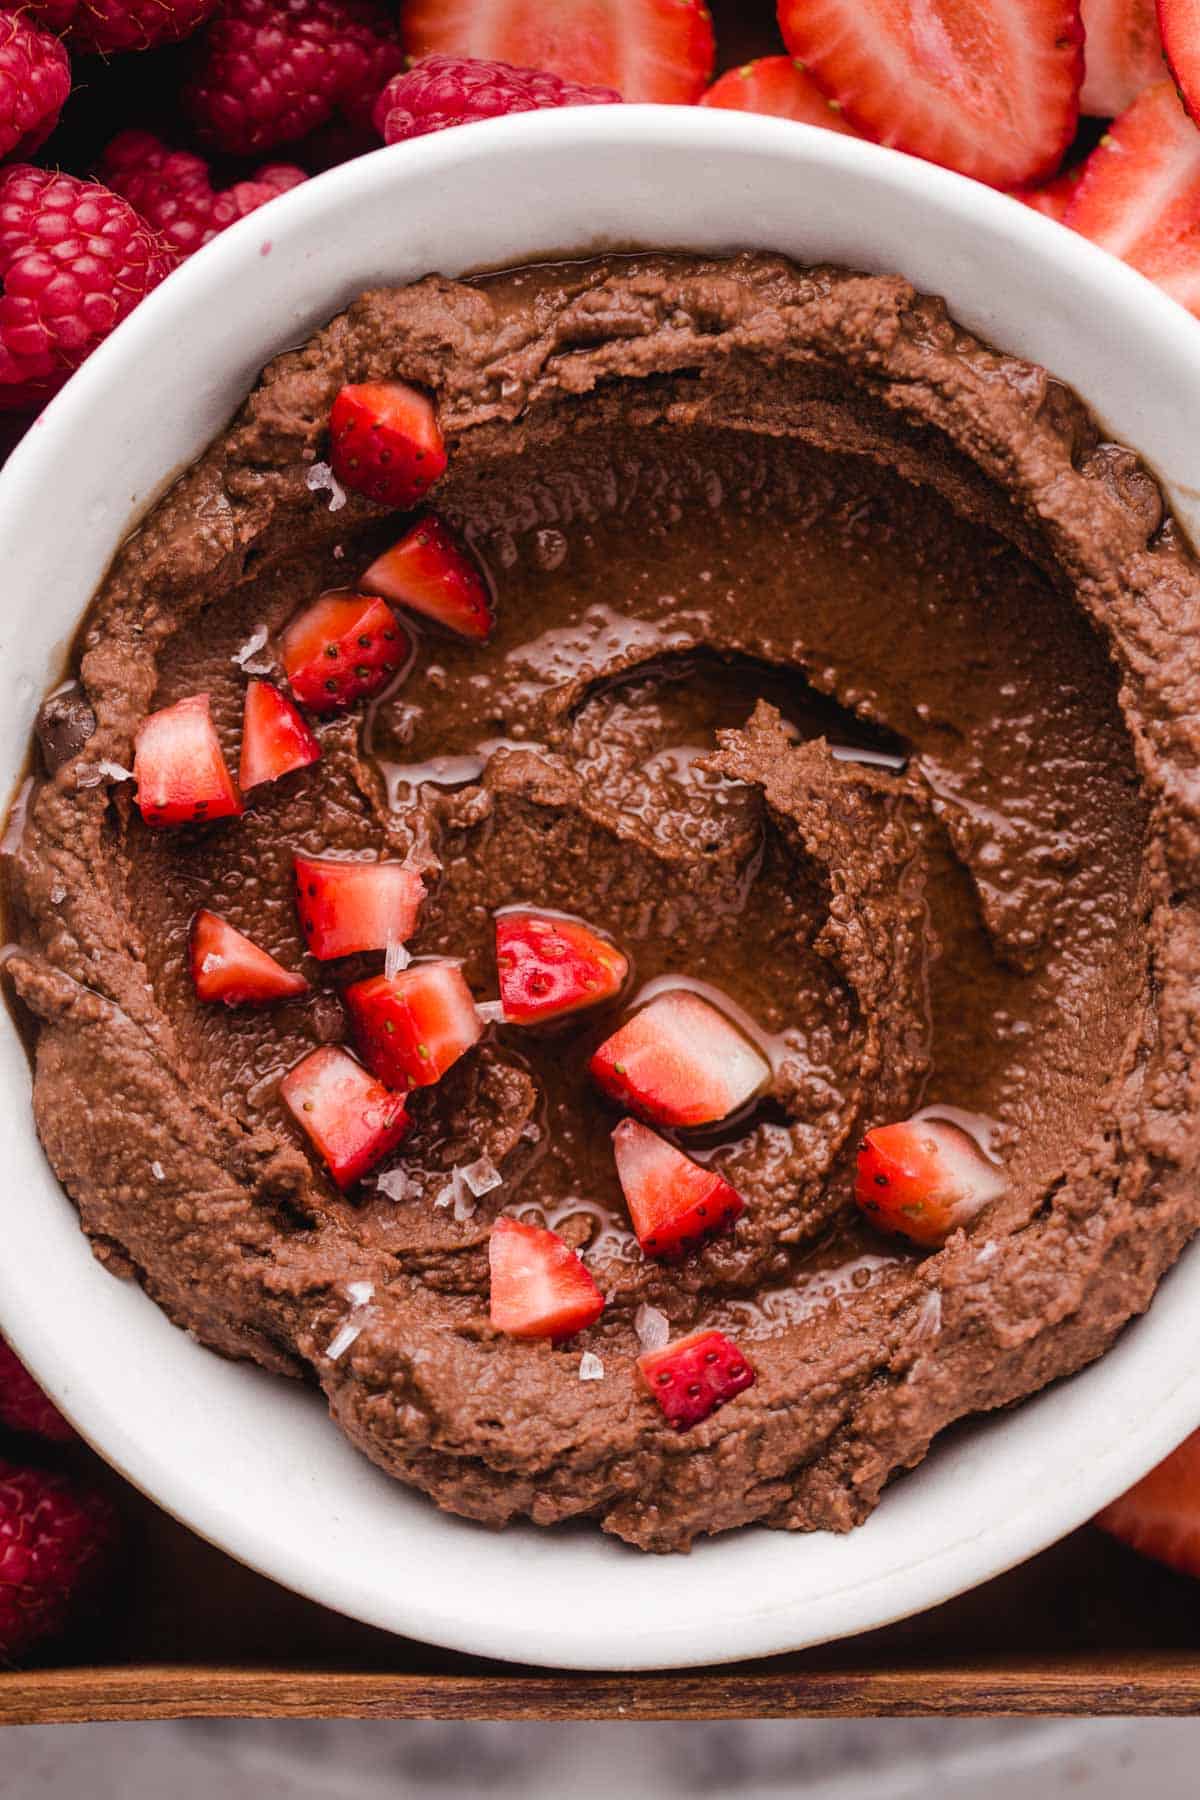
x,y
253,1463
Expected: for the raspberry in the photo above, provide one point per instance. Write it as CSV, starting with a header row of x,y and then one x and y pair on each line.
x,y
23,1406
274,70
35,79
173,191
456,90
107,25
74,259
56,1536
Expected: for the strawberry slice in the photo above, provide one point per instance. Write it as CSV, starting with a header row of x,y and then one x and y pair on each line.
x,y
922,1179
780,86
673,1201
410,1028
646,49
1122,54
695,1375
550,966
181,774
1160,1515
680,1062
1178,22
1053,197
275,739
231,967
346,907
351,1118
539,1286
988,87
431,572
385,442
342,648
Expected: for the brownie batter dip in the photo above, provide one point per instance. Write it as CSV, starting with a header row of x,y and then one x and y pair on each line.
x,y
841,675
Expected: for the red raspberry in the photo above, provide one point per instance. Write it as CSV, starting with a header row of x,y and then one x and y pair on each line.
x,y
173,190
56,1536
74,259
35,79
107,25
455,90
274,70
23,1406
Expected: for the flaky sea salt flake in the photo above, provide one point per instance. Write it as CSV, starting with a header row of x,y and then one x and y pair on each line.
x,y
341,1340
322,480
158,1172
247,657
653,1327
360,1292
395,958
490,1011
397,1184
590,1367
481,1176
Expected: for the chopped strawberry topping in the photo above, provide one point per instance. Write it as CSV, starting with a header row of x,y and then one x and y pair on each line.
x,y
549,966
429,570
342,648
346,907
780,86
351,1118
680,1062
1053,197
539,1286
410,1028
922,1179
694,1376
673,1201
385,442
229,966
275,739
1122,51
1160,1516
181,774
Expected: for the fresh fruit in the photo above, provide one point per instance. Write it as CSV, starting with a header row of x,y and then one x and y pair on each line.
x,y
778,85
1122,54
673,1201
275,739
1160,1515
645,49
385,442
539,1286
440,91
23,1406
1053,197
922,1179
549,965
173,190
74,259
342,648
429,570
351,1118
680,1062
345,907
229,966
988,87
57,1535
411,1027
35,79
104,26
695,1375
1178,23
180,771
271,71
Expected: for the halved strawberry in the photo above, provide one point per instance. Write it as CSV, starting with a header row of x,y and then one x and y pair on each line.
x,y
539,1286
346,907
989,87
431,572
680,1062
646,49
342,648
695,1375
780,86
1178,23
673,1201
550,966
1053,197
182,778
228,966
275,739
923,1178
1122,53
385,442
410,1028
1160,1515
351,1118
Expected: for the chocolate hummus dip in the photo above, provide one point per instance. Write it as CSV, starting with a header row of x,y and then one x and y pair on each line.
x,y
841,675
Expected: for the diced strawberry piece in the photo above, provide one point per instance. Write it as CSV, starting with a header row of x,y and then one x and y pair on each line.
x,y
1053,197
673,1201
922,1179
229,966
695,1375
780,86
342,648
1160,1516
988,87
410,1028
1179,25
181,774
385,442
351,1118
1122,54
346,907
431,572
539,1286
680,1062
275,739
550,966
